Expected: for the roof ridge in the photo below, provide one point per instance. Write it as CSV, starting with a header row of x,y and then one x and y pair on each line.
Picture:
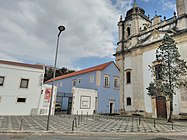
x,y
86,70
21,64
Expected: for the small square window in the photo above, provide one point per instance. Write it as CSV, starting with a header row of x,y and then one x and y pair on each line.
x,y
21,100
24,83
2,78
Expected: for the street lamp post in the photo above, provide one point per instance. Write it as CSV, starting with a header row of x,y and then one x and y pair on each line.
x,y
61,28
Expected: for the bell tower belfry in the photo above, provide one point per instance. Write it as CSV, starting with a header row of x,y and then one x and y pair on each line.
x,y
135,20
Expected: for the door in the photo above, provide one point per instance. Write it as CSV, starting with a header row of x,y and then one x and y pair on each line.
x,y
111,107
64,103
161,107
96,104
69,105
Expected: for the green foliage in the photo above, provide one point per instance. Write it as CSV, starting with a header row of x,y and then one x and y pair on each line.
x,y
59,71
152,89
157,88
173,68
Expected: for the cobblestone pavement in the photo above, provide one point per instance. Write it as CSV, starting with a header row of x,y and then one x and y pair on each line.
x,y
99,123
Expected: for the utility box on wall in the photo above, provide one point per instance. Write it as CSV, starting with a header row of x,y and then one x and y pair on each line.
x,y
84,101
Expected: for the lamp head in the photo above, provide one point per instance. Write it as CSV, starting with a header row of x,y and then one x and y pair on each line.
x,y
61,28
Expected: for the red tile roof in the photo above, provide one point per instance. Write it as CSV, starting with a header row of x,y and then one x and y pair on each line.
x,y
95,68
21,64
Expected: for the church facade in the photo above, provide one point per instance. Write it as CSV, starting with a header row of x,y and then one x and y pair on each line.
x,y
139,37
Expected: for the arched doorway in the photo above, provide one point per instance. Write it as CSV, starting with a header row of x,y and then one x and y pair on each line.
x,y
161,107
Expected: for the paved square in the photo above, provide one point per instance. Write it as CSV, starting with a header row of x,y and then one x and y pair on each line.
x,y
97,123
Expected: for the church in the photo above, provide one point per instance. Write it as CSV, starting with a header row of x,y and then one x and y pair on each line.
x,y
139,37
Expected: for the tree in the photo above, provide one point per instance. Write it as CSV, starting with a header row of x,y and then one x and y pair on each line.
x,y
172,71
59,71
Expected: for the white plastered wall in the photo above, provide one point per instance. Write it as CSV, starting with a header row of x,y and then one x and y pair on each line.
x,y
128,91
83,101
148,58
11,90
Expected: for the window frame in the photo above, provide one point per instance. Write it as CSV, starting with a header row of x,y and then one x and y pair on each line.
x,y
128,31
79,81
157,64
107,82
129,101
74,82
91,78
27,85
116,86
128,77
61,84
21,101
158,71
56,84
3,80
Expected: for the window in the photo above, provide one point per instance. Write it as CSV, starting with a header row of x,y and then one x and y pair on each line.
x,y
56,85
106,81
24,83
79,80
91,78
2,80
116,82
21,100
128,77
158,70
128,31
128,101
60,84
74,83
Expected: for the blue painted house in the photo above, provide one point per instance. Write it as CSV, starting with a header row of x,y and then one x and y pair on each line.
x,y
104,78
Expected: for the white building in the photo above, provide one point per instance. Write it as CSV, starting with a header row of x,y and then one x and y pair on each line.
x,y
84,101
139,37
21,89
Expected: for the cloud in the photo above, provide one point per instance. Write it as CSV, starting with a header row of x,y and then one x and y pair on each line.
x,y
122,6
28,29
146,0
168,5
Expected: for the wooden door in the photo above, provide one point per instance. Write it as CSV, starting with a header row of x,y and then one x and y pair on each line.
x,y
161,107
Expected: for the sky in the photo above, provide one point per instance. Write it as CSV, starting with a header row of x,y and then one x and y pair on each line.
x,y
29,28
